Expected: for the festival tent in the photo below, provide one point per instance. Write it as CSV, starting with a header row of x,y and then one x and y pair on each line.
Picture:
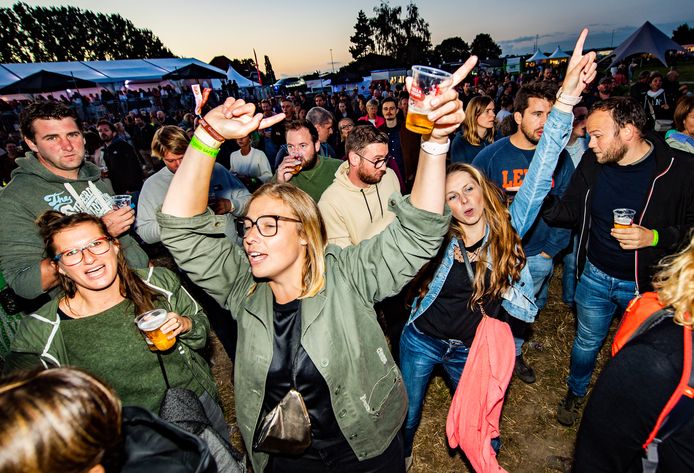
x,y
558,54
647,39
194,71
45,81
101,72
537,57
241,81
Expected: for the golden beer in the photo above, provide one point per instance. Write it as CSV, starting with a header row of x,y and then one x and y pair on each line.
x,y
150,324
620,225
419,123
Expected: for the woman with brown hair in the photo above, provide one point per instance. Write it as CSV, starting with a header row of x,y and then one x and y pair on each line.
x,y
682,137
305,308
480,269
477,131
91,324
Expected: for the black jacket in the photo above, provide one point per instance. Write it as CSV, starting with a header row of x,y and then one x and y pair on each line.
x,y
668,208
124,168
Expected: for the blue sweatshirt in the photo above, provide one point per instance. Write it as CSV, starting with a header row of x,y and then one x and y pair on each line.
x,y
506,165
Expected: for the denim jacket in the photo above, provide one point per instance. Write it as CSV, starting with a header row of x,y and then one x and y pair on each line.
x,y
519,299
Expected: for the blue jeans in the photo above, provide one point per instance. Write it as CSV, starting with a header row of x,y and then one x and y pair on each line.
x,y
419,353
568,279
598,297
541,270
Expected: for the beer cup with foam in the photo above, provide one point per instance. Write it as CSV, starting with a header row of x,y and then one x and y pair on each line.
x,y
150,324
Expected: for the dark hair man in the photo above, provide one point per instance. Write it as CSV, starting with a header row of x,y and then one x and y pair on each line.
x,y
303,166
53,176
124,169
506,162
624,168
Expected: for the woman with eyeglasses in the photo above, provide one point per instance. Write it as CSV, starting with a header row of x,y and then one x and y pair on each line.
x,y
344,127
477,130
480,270
91,324
304,308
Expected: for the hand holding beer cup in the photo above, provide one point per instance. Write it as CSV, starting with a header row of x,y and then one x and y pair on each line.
x,y
290,166
161,327
630,235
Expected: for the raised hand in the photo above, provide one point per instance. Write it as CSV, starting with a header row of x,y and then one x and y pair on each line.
x,y
581,69
236,119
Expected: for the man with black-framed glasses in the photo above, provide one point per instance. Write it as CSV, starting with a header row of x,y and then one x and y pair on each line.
x,y
355,206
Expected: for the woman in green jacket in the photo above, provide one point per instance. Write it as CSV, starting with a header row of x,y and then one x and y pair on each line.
x,y
91,325
287,288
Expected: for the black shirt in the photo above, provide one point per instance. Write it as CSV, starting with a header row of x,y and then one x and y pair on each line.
x,y
617,187
309,382
450,316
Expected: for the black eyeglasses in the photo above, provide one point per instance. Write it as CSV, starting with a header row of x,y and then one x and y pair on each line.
x,y
379,163
266,225
75,256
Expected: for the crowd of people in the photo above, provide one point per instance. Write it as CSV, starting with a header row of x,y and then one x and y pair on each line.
x,y
339,257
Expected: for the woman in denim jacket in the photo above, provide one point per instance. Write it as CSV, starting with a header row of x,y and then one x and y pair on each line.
x,y
454,291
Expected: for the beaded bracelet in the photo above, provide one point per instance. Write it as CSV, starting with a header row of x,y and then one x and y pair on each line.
x,y
195,143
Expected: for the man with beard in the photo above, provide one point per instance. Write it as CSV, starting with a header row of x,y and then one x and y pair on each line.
x,y
389,109
506,163
355,206
303,167
623,169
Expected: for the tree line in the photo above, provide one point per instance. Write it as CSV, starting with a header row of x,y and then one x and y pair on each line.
x,y
46,34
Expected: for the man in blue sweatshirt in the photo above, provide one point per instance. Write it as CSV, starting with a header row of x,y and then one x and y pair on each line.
x,y
506,162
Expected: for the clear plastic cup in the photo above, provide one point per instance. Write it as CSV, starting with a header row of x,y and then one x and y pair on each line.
x,y
623,218
119,201
426,84
150,324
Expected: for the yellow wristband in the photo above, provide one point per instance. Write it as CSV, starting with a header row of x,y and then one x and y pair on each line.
x,y
656,237
195,143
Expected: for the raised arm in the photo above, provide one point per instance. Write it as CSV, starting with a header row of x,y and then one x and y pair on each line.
x,y
187,195
447,114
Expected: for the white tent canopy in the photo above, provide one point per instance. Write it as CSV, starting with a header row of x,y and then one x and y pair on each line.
x,y
102,72
558,54
242,82
537,57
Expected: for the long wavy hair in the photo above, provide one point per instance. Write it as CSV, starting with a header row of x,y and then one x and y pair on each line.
x,y
502,251
475,108
675,284
132,287
57,420
312,228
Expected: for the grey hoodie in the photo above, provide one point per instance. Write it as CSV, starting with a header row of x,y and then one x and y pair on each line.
x,y
32,191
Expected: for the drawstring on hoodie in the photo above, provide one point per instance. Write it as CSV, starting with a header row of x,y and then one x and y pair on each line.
x,y
380,204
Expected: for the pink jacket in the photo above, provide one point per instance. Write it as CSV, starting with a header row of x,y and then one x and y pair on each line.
x,y
473,419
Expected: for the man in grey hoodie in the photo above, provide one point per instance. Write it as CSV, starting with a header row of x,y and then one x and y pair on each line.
x,y
53,176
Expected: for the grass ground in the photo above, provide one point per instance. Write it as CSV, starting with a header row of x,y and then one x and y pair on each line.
x,y
532,439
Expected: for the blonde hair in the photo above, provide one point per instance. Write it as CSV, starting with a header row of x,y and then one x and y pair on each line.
x,y
57,420
169,138
675,284
311,228
503,244
475,108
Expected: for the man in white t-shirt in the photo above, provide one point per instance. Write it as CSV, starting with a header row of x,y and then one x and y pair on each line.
x,y
250,165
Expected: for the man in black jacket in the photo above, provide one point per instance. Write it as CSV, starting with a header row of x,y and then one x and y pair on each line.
x,y
622,169
124,168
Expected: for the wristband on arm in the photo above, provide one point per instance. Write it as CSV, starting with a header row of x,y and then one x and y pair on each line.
x,y
655,237
195,143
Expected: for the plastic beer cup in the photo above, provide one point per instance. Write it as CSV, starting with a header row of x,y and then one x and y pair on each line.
x,y
426,84
623,218
121,201
150,324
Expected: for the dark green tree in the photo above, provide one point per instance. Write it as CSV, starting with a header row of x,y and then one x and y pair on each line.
x,y
416,44
484,47
452,49
362,40
387,29
269,72
683,34
38,34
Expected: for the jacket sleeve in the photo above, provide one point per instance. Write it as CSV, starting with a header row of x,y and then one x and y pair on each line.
x,y
212,261
538,181
21,248
380,267
334,223
559,237
183,304
16,361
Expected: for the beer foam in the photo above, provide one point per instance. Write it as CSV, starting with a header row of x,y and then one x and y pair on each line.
x,y
151,320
